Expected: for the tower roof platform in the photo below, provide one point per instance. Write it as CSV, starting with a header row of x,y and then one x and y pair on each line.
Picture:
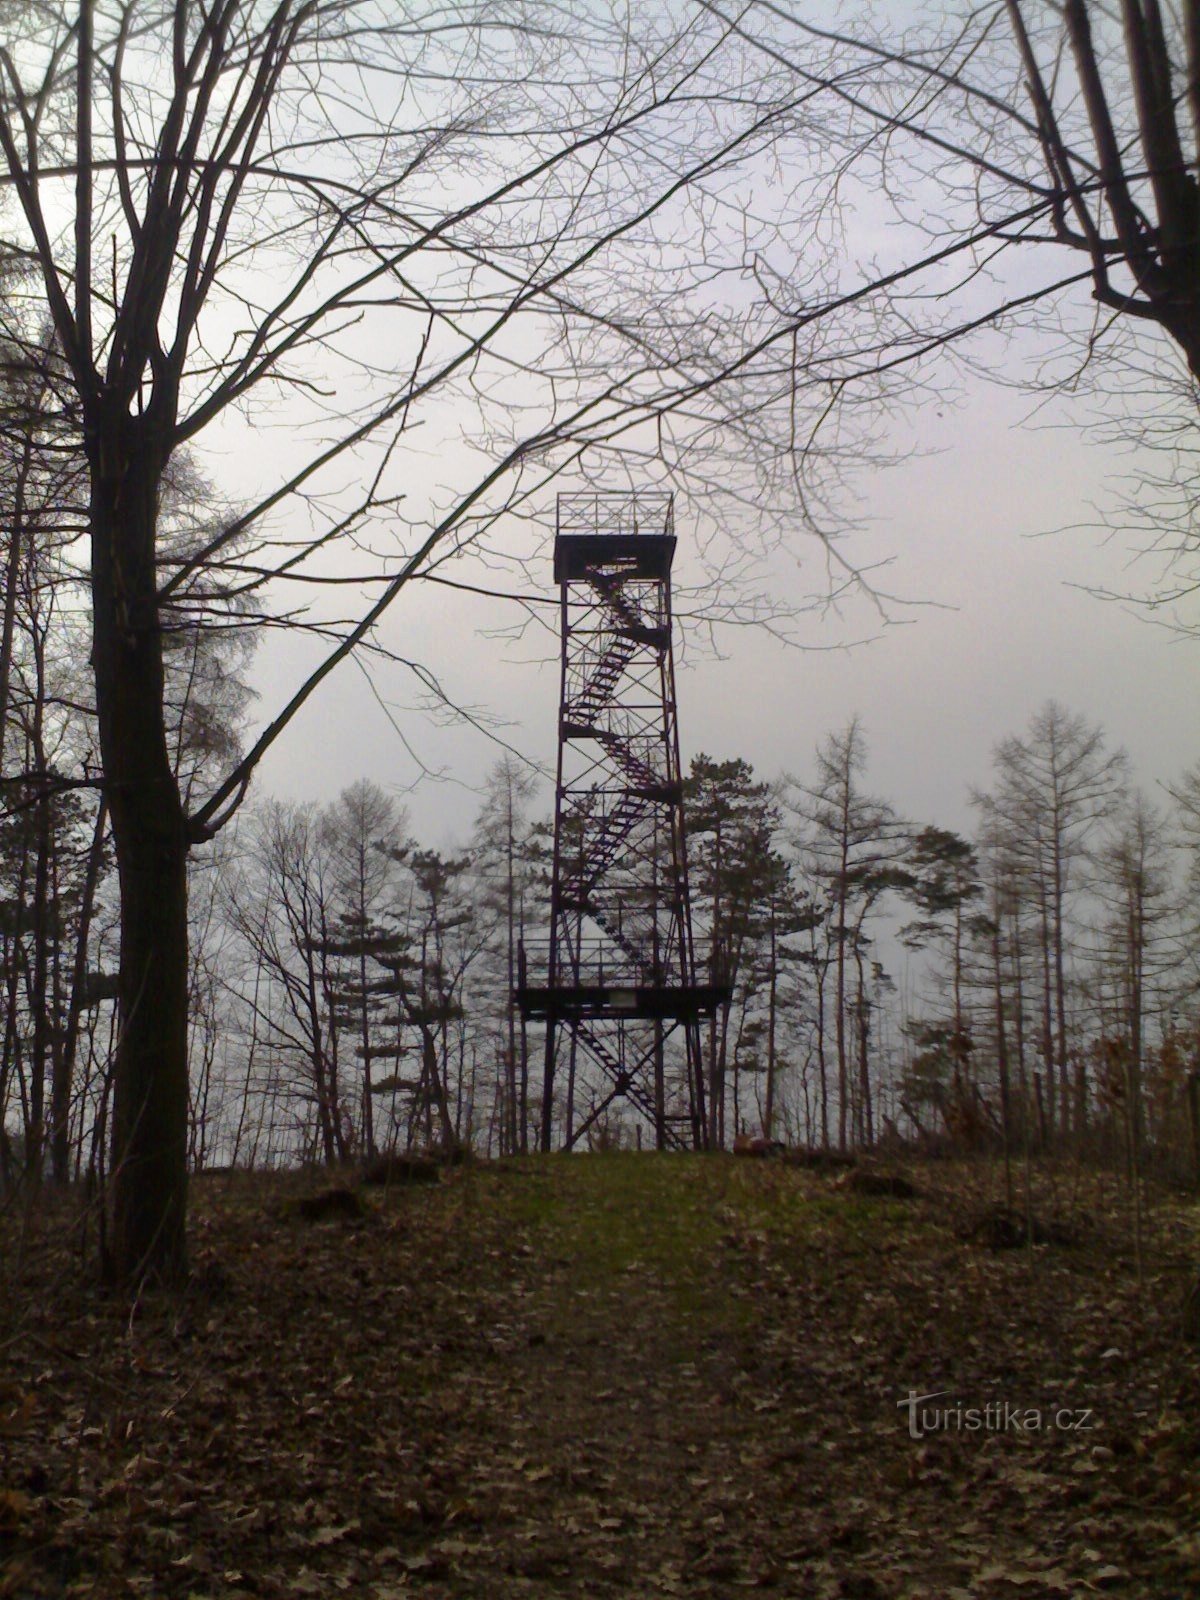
x,y
633,531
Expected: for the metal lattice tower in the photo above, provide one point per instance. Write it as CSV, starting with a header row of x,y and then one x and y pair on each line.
x,y
619,978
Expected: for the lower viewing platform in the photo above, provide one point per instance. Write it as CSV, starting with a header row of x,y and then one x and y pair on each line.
x,y
677,1003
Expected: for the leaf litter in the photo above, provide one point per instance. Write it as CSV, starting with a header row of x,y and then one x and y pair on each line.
x,y
625,1375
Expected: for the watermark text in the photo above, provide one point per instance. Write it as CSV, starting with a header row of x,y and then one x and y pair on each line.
x,y
939,1412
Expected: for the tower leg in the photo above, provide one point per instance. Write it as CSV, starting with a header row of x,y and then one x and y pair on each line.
x,y
660,1089
571,1061
548,1089
696,1068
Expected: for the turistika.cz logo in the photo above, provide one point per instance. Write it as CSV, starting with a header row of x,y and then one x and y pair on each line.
x,y
925,1416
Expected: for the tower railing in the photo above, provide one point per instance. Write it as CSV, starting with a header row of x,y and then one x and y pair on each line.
x,y
607,513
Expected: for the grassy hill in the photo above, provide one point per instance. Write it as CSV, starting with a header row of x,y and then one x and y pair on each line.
x,y
619,1375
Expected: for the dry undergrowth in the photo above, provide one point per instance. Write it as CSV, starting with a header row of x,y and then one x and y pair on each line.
x,y
620,1375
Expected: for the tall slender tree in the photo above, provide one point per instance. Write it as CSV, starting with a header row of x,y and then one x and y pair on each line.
x,y
850,844
506,861
1054,789
943,884
362,835
1133,880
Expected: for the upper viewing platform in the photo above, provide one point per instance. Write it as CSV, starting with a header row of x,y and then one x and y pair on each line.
x,y
637,530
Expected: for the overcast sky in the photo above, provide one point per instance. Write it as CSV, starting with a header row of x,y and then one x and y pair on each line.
x,y
987,535
976,532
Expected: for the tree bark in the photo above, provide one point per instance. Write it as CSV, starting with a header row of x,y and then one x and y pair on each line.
x,y
150,1101
1002,1058
12,573
866,1116
39,982
772,1006
1193,1100
822,1064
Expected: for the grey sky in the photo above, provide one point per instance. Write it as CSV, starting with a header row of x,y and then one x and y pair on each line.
x,y
936,687
993,628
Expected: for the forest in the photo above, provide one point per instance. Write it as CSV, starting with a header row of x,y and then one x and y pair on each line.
x,y
715,253
1030,989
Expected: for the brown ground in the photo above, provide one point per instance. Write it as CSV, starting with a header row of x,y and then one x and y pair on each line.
x,y
607,1376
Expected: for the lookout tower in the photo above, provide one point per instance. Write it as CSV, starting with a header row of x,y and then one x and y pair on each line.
x,y
616,986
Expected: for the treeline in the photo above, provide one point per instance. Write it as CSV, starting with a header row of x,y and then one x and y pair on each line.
x,y
1032,987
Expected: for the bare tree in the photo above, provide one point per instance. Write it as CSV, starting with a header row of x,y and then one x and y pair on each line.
x,y
214,199
280,899
1054,789
850,843
1134,882
1038,164
504,851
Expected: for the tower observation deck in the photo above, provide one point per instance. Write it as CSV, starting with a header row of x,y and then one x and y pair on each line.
x,y
615,984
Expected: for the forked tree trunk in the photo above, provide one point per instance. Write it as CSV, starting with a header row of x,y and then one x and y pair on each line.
x,y
150,1102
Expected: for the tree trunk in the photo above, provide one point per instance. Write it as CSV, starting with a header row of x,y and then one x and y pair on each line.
x,y
46,911
772,1006
39,991
1019,1029
368,1099
12,574
1193,1100
1137,959
1002,1061
435,1087
327,1108
547,1135
866,1131
717,974
150,1103
65,1074
1048,1109
839,1021
1060,995
822,1064
11,1057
